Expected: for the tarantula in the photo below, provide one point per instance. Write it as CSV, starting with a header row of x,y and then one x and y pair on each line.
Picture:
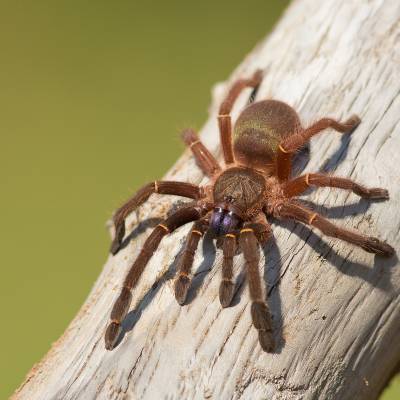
x,y
254,183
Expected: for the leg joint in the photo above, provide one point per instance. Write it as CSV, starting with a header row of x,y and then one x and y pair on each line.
x,y
165,227
283,150
194,143
244,230
312,218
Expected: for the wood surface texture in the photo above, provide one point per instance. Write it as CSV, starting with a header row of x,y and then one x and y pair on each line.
x,y
335,307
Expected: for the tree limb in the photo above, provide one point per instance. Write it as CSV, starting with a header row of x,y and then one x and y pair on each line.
x,y
335,308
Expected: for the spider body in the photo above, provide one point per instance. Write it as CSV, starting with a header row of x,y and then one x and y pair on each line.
x,y
255,183
260,129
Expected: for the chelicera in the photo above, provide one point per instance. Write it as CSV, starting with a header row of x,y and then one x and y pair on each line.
x,y
254,183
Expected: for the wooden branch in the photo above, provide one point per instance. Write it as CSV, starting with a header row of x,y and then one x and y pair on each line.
x,y
336,308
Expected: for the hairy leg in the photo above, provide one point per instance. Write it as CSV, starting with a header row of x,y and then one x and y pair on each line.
x,y
294,142
227,286
162,187
263,232
121,306
182,282
205,160
259,310
293,210
224,118
299,185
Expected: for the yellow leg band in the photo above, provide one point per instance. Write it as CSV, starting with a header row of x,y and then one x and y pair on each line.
x,y
283,150
312,218
194,143
247,230
164,227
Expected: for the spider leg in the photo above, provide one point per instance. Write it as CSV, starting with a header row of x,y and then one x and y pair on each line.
x,y
262,231
294,142
121,306
260,313
302,214
299,185
162,187
227,287
182,282
224,118
205,160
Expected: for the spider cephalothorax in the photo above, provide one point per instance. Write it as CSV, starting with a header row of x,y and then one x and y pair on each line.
x,y
254,183
238,195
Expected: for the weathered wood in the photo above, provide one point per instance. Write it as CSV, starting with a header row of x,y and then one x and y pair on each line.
x,y
336,308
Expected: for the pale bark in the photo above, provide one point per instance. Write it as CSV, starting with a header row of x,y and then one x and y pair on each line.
x,y
335,307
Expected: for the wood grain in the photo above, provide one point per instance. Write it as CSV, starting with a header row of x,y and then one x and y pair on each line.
x,y
335,308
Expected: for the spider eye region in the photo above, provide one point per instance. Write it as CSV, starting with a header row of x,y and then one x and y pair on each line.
x,y
224,221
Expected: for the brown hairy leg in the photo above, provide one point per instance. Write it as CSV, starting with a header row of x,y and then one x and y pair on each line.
x,y
205,160
294,142
300,184
224,118
182,282
227,286
262,231
260,313
162,187
293,210
121,305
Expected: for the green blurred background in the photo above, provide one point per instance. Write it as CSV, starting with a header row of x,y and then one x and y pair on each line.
x,y
92,97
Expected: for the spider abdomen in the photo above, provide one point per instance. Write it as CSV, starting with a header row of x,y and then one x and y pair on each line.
x,y
259,130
